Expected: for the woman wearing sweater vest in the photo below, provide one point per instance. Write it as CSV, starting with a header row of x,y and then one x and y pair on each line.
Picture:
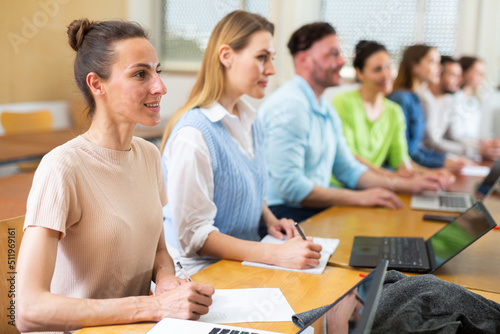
x,y
213,158
93,236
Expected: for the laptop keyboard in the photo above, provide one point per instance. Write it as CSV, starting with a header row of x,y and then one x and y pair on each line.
x,y
228,331
402,251
452,202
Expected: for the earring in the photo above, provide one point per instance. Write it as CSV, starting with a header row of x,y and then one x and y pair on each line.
x,y
228,65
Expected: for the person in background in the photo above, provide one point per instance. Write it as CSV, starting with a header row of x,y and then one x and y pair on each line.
x,y
472,124
438,102
93,239
419,68
214,162
304,141
374,127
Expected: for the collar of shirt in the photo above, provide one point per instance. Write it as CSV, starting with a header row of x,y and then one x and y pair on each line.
x,y
217,112
320,107
240,128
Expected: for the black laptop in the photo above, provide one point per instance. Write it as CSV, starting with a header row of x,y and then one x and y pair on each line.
x,y
365,295
417,255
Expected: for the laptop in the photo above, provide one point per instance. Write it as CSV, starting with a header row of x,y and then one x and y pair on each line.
x,y
415,254
365,294
456,202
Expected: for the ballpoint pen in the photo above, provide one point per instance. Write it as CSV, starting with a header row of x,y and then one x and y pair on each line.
x,y
300,230
184,272
407,163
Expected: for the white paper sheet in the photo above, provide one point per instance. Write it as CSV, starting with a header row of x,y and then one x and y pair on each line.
x,y
176,326
475,170
329,247
248,305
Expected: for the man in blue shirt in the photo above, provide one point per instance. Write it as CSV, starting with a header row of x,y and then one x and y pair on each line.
x,y
305,143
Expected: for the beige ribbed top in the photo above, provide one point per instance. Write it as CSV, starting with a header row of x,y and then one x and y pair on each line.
x,y
107,204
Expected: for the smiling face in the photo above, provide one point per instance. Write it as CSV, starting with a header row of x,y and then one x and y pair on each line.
x,y
326,62
250,67
427,69
134,89
376,75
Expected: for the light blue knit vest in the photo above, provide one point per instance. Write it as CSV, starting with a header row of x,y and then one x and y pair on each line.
x,y
239,183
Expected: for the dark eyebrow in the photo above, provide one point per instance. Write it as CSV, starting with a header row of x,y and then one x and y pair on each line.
x,y
147,66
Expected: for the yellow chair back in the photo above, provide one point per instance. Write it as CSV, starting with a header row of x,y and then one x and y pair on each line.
x,y
17,122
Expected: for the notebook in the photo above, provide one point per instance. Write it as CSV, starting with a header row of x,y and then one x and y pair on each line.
x,y
328,248
456,202
415,254
364,294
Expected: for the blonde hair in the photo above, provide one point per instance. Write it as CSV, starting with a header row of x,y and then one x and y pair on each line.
x,y
235,30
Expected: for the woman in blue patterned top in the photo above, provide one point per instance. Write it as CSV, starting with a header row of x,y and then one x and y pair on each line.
x,y
214,162
418,68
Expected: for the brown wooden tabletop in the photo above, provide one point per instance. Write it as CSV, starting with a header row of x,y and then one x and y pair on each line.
x,y
14,192
302,291
35,145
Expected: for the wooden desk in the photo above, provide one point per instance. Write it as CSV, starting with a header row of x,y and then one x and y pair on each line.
x,y
34,145
302,291
14,192
19,147
476,267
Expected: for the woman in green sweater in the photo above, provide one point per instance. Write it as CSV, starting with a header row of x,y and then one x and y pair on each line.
x,y
374,126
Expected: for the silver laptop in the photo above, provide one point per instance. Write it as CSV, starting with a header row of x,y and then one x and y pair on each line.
x,y
169,325
456,202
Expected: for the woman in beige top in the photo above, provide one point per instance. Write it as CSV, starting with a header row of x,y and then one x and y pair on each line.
x,y
93,230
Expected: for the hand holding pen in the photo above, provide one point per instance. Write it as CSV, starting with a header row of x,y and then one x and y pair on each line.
x,y
295,253
183,271
300,231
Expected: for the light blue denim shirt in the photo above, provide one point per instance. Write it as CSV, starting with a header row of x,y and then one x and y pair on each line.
x,y
304,144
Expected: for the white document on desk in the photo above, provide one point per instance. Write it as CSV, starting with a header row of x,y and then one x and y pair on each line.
x,y
248,305
475,170
329,246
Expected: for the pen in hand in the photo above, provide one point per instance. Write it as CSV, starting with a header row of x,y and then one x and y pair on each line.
x,y
184,272
407,163
300,230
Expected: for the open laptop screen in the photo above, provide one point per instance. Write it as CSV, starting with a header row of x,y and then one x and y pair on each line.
x,y
459,234
354,311
490,180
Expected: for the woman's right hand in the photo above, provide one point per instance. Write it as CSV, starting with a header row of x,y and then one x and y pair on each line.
x,y
187,301
297,254
455,164
377,196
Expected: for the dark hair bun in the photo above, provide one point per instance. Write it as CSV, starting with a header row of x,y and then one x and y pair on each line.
x,y
361,45
364,49
77,31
